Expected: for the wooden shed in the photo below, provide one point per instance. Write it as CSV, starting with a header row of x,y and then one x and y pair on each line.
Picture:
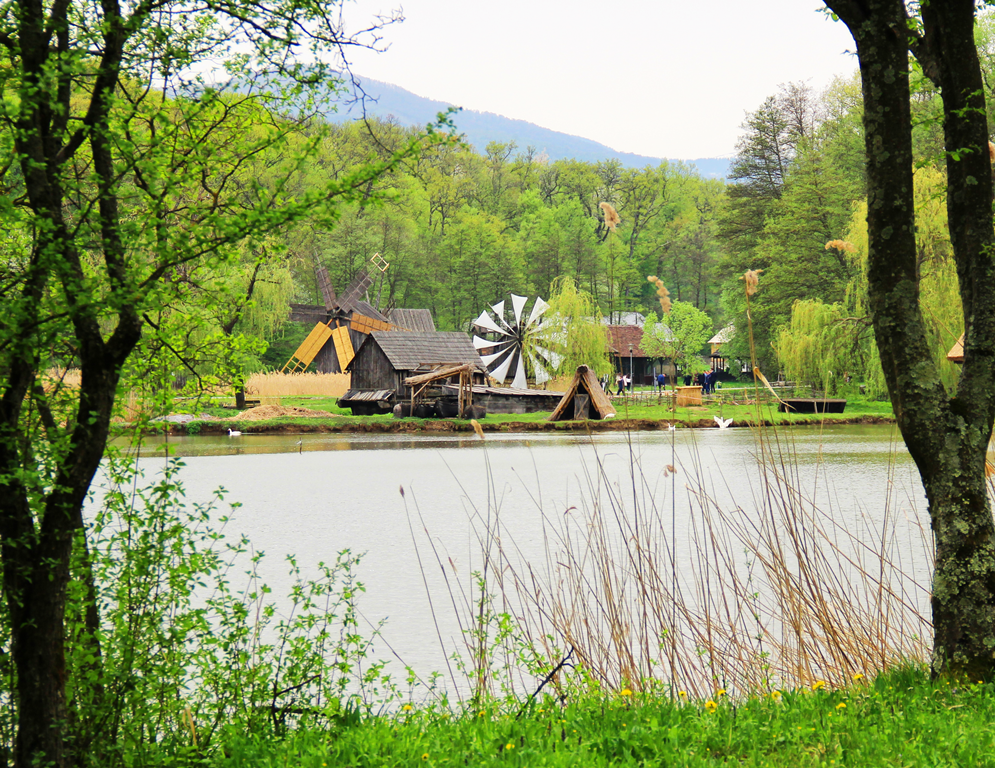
x,y
387,358
584,399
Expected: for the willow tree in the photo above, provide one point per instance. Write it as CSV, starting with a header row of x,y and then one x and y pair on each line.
x,y
824,341
120,172
947,433
573,331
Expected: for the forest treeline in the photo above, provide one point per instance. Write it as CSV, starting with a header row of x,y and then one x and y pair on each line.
x,y
462,229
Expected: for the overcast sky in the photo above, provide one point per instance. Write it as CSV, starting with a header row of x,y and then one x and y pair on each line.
x,y
663,78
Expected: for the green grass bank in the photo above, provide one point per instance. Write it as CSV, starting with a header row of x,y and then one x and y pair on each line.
x,y
900,718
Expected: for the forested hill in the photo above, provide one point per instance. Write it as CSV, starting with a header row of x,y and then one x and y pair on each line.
x,y
484,127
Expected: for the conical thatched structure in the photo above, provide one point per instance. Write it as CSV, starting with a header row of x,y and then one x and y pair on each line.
x,y
584,399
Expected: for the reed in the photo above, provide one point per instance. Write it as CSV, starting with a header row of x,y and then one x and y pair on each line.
x,y
774,594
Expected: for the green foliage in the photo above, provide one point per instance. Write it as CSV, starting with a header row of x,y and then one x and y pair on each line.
x,y
825,341
186,659
574,331
680,336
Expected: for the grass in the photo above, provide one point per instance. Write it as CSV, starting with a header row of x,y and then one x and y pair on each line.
x,y
897,719
728,404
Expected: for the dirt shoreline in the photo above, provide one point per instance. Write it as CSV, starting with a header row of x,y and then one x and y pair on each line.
x,y
410,426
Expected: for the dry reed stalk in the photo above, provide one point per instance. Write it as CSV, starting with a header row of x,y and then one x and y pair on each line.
x,y
777,597
297,384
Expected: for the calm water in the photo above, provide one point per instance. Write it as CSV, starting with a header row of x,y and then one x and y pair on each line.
x,y
335,492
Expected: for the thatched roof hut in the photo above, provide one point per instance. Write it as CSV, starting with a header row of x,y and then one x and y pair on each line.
x,y
584,399
956,353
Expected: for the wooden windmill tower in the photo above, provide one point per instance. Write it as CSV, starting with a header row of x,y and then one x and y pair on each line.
x,y
341,323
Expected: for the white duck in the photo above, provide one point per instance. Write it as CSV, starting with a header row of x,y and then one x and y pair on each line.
x,y
233,432
723,423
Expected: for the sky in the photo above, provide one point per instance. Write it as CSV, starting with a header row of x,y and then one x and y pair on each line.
x,y
661,78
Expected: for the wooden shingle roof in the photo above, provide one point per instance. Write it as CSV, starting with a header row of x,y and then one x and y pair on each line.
x,y
407,350
412,319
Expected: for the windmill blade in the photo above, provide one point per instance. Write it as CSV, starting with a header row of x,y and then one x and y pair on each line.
x,y
507,348
501,372
485,322
355,291
520,382
479,343
552,359
518,302
325,288
367,325
498,310
541,374
538,309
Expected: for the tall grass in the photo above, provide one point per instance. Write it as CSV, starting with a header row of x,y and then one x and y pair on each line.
x,y
745,595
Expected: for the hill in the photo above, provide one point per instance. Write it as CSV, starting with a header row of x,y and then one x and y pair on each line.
x,y
481,128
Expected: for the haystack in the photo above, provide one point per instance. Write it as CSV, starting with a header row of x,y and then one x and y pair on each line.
x,y
584,399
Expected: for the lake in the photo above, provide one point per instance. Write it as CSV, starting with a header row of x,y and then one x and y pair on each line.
x,y
410,503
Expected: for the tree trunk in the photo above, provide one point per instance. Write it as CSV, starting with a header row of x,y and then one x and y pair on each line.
x,y
946,436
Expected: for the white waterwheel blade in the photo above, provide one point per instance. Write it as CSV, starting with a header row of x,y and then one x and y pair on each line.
x,y
540,371
499,314
518,302
537,309
553,359
520,382
503,348
481,343
501,372
486,323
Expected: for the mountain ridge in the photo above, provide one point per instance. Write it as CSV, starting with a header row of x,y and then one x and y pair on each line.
x,y
481,128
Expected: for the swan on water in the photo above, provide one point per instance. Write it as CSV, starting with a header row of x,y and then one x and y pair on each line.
x,y
233,432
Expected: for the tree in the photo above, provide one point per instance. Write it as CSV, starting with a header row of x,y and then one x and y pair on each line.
x,y
573,330
947,433
679,334
120,173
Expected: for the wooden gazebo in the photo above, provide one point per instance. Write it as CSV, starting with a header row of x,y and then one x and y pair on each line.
x,y
584,399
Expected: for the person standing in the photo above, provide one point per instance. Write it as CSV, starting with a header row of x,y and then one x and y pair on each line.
x,y
620,383
661,381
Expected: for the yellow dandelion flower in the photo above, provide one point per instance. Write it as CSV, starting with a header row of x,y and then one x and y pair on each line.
x,y
682,694
721,692
711,706
858,677
509,745
406,708
775,695
841,705
425,756
626,692
818,685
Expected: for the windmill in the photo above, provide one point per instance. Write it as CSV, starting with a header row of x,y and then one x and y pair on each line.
x,y
341,323
505,343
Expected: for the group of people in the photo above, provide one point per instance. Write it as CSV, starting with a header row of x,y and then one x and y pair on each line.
x,y
705,380
622,382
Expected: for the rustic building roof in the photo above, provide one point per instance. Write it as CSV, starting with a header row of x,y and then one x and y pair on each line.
x,y
407,350
412,319
585,382
621,336
724,335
